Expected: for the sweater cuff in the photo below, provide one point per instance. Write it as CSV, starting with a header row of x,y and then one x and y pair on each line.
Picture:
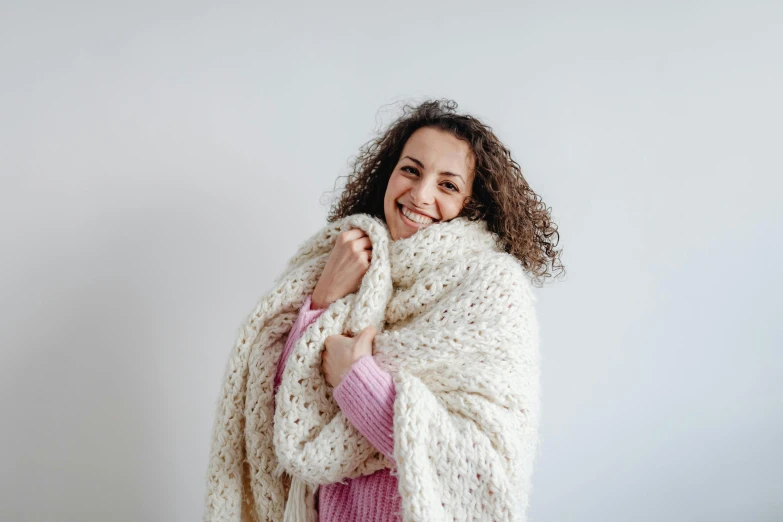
x,y
366,396
307,314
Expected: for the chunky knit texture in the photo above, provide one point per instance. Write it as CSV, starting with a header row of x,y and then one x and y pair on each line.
x,y
306,316
366,397
459,335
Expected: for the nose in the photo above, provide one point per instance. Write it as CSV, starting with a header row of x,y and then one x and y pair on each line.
x,y
423,193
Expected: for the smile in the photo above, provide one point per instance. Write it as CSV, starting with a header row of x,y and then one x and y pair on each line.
x,y
414,219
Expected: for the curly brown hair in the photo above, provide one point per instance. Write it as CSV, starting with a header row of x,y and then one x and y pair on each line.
x,y
501,195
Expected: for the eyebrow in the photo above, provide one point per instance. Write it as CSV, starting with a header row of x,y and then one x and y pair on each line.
x,y
446,172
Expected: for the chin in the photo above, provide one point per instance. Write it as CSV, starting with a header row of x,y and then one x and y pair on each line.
x,y
402,236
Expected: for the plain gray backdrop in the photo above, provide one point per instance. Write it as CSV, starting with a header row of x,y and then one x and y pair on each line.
x,y
161,161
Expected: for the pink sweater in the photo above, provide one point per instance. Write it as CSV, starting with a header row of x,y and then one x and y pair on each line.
x,y
366,396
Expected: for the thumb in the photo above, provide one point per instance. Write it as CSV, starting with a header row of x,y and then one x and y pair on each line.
x,y
367,335
370,332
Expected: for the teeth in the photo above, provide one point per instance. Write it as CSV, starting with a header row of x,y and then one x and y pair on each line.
x,y
413,216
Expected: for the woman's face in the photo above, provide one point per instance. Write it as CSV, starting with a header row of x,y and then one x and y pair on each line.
x,y
430,182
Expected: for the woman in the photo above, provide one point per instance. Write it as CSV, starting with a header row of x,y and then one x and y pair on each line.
x,y
422,414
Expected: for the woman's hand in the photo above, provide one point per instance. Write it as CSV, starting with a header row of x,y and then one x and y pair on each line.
x,y
347,264
342,351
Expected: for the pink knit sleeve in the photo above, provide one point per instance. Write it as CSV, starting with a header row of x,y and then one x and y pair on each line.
x,y
303,320
366,396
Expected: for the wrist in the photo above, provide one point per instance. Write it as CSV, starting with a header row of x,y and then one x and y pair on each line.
x,y
358,354
318,301
347,370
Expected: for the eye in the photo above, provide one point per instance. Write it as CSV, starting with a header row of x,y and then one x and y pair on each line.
x,y
411,170
450,184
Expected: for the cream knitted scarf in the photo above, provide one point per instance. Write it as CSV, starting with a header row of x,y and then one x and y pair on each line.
x,y
457,331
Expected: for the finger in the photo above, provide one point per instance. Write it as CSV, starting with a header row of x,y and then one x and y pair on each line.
x,y
360,244
370,331
352,234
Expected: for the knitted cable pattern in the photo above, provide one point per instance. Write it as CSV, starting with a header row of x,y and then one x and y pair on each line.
x,y
459,334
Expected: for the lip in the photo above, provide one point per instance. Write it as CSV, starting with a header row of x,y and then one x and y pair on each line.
x,y
413,224
419,212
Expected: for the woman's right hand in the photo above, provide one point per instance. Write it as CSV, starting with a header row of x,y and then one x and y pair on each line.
x,y
345,268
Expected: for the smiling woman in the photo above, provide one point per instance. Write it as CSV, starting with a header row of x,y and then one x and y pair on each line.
x,y
427,144
407,385
430,183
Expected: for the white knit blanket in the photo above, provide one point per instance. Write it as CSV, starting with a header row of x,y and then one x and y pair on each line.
x,y
459,334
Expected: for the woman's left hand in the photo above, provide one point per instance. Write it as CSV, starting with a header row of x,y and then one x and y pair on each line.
x,y
342,351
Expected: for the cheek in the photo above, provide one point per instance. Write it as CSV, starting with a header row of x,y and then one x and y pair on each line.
x,y
451,207
392,192
395,188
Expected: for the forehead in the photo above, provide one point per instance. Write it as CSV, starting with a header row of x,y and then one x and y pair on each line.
x,y
439,149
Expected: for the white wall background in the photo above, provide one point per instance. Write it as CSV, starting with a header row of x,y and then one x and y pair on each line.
x,y
161,161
